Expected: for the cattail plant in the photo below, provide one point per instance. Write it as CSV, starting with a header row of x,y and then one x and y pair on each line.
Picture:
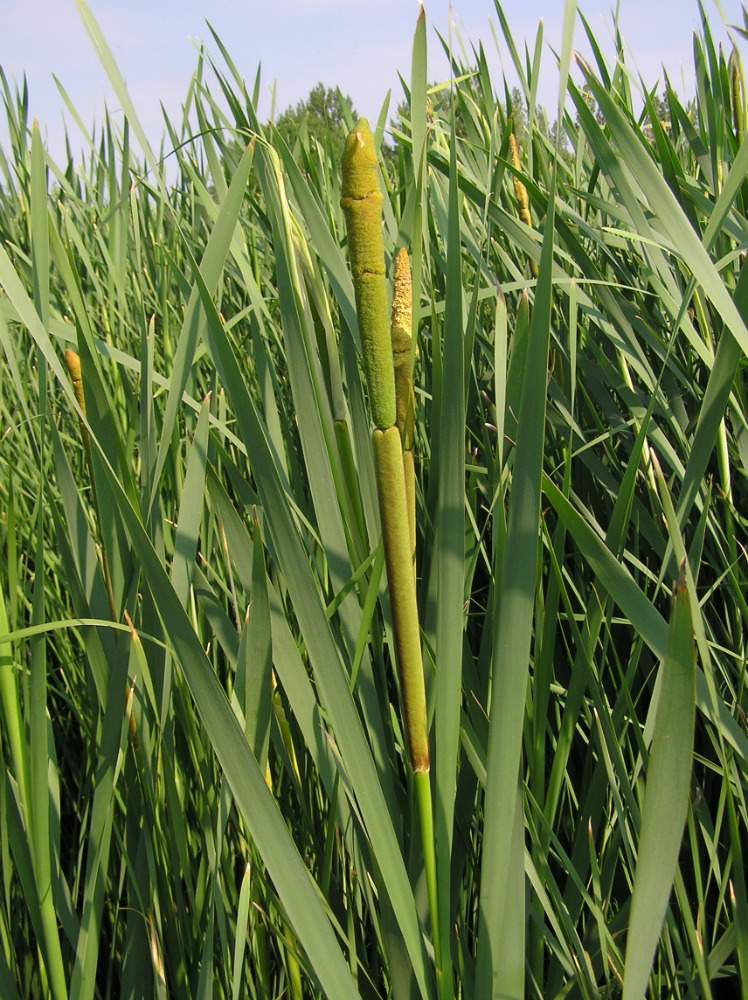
x,y
582,845
362,201
362,204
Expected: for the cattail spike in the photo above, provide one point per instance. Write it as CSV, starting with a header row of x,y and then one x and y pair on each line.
x,y
73,363
520,193
361,202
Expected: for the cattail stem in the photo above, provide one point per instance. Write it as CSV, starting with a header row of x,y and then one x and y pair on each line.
x,y
398,555
426,813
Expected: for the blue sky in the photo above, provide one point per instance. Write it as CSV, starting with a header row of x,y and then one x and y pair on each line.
x,y
358,45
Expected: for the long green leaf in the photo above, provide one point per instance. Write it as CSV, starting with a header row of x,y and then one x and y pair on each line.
x,y
449,558
666,796
496,970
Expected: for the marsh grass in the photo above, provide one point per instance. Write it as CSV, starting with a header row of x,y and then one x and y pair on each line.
x,y
206,793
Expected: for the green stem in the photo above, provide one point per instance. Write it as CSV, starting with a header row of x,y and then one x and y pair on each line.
x,y
426,814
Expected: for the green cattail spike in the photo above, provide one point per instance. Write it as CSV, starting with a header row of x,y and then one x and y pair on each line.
x,y
361,202
398,560
520,193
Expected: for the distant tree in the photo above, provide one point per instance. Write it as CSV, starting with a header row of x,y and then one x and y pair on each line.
x,y
592,104
439,103
563,140
438,106
322,114
551,129
692,112
661,109
518,111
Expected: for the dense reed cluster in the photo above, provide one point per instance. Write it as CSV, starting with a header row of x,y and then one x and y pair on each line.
x,y
360,643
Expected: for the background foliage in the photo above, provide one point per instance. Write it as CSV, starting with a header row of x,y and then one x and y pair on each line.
x,y
204,787
322,116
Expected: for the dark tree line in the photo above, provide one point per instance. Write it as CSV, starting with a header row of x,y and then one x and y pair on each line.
x,y
324,115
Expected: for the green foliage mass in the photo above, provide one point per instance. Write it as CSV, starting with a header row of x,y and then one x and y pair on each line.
x,y
204,778
324,115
